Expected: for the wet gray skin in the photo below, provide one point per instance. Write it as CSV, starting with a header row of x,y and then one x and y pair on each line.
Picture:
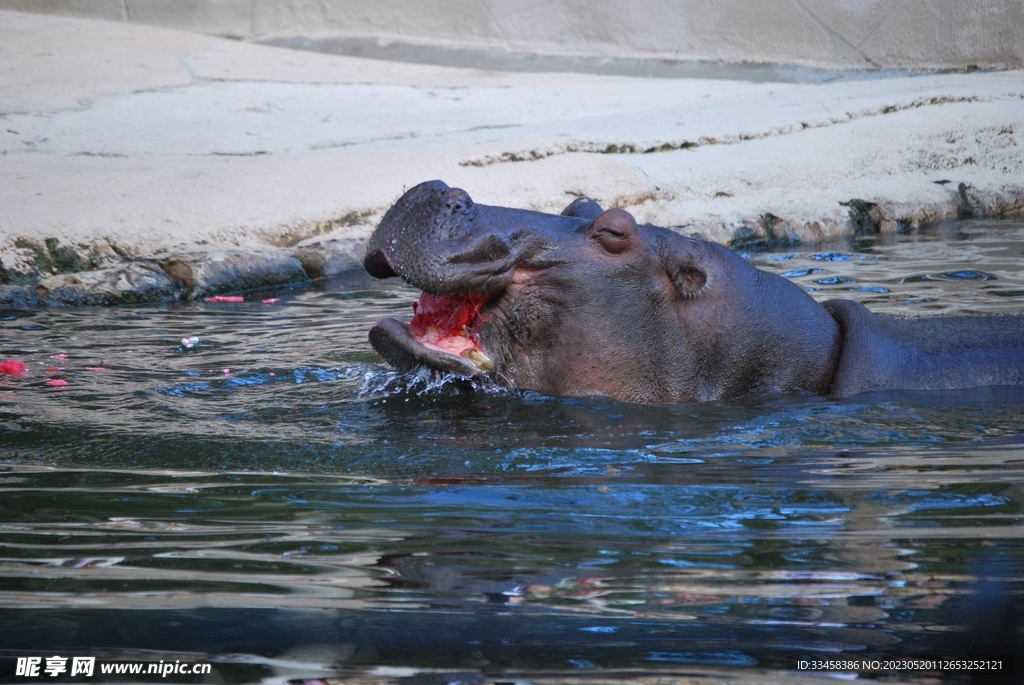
x,y
589,303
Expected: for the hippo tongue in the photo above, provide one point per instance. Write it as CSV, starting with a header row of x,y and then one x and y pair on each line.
x,y
445,322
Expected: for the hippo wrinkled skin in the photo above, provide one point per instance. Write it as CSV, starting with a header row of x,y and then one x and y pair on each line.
x,y
589,303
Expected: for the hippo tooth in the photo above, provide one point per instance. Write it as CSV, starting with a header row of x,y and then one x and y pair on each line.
x,y
482,361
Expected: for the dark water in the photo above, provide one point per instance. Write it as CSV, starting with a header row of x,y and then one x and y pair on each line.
x,y
503,60
312,514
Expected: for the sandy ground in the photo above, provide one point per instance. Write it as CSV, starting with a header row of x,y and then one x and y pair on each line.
x,y
129,141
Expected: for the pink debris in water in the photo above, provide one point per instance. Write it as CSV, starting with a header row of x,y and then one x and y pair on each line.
x,y
225,371
97,369
56,382
13,368
272,373
225,298
60,356
271,300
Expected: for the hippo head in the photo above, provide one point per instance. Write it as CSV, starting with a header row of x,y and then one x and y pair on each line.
x,y
589,303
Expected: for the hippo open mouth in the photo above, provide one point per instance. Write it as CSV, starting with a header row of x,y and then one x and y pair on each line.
x,y
463,256
443,334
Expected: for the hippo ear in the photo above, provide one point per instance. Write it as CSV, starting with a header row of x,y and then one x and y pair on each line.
x,y
583,208
685,269
615,230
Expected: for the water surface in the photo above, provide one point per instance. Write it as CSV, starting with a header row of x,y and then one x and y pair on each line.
x,y
277,501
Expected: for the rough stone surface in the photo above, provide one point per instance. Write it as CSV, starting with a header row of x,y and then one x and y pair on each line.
x,y
199,275
324,258
18,296
135,283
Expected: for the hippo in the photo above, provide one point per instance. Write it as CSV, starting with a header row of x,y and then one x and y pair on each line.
x,y
589,303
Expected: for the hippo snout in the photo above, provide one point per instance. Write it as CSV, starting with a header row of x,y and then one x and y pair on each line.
x,y
403,217
435,238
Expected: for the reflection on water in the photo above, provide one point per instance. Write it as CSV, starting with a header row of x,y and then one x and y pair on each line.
x,y
957,268
283,504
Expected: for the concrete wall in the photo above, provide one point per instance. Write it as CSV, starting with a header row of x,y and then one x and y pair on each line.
x,y
823,33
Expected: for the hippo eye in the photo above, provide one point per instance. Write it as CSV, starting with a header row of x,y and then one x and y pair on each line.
x,y
614,230
612,240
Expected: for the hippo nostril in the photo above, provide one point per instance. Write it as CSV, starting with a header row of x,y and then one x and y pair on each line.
x,y
376,264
